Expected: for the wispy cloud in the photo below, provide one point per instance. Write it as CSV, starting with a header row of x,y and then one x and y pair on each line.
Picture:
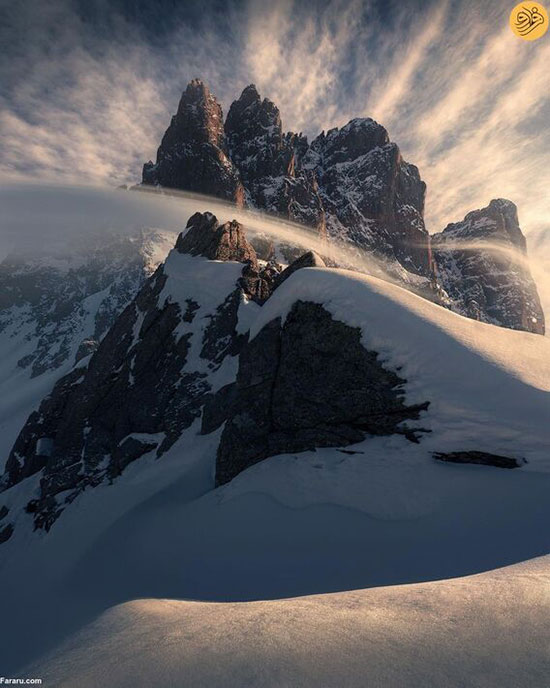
x,y
466,100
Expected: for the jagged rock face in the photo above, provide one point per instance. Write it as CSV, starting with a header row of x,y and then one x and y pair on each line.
x,y
371,196
489,279
205,237
255,138
303,384
147,381
192,155
127,388
268,161
352,185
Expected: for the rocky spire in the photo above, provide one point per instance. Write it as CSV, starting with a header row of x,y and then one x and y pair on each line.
x,y
269,161
371,196
255,137
480,265
192,155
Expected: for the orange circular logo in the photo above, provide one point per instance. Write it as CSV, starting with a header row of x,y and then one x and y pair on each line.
x,y
529,20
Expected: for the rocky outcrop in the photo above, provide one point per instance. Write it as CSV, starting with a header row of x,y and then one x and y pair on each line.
x,y
303,384
481,264
205,237
480,458
192,155
308,260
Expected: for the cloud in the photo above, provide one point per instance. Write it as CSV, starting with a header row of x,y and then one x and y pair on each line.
x,y
464,98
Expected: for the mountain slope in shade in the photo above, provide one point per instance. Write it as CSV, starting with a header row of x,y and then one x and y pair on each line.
x,y
149,378
188,348
56,304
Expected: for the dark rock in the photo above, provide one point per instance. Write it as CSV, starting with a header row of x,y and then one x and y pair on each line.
x,y
86,348
26,458
218,407
192,155
5,533
309,383
220,337
192,308
478,457
307,260
257,283
489,279
4,511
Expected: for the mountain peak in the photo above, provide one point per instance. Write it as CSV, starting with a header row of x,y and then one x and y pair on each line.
x,y
196,91
485,280
249,95
192,155
498,220
349,183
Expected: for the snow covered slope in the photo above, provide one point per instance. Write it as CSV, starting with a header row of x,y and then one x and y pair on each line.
x,y
489,630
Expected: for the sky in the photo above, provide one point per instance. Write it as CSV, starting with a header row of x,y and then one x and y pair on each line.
x,y
87,87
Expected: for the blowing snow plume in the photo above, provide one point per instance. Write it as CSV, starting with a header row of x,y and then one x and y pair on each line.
x,y
43,220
